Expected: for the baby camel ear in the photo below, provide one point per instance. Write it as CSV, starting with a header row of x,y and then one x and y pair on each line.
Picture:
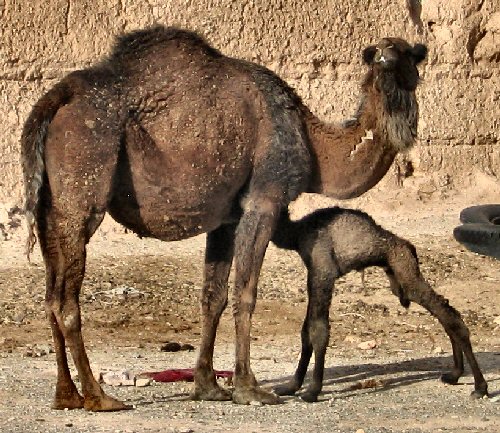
x,y
369,54
419,51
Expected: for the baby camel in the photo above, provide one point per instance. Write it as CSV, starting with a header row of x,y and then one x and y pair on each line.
x,y
335,241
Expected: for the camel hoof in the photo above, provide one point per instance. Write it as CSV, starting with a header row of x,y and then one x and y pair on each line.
x,y
105,404
215,393
287,389
254,394
309,397
478,394
450,378
75,401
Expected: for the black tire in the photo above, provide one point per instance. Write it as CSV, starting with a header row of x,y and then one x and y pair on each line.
x,y
485,214
481,237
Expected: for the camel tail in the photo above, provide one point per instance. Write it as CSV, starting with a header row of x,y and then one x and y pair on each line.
x,y
32,153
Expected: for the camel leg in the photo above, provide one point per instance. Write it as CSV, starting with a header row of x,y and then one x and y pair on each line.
x,y
458,332
315,330
65,257
458,359
66,396
218,259
79,191
252,237
452,377
320,279
296,382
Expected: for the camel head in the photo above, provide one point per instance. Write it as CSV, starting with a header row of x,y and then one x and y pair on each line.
x,y
396,56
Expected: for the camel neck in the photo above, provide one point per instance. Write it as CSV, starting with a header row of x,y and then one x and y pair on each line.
x,y
353,158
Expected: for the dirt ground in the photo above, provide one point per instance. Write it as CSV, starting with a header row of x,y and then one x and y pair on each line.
x,y
138,294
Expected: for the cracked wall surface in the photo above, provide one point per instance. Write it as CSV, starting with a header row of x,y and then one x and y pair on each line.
x,y
315,46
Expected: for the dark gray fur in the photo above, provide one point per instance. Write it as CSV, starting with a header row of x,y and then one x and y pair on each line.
x,y
335,241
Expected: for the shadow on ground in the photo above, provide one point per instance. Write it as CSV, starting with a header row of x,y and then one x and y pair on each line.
x,y
376,377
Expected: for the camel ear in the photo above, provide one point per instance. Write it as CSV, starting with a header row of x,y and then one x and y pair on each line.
x,y
419,51
369,54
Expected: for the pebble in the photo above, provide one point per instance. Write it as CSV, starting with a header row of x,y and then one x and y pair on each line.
x,y
142,382
117,378
367,345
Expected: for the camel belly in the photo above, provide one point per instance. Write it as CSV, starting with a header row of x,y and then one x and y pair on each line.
x,y
172,185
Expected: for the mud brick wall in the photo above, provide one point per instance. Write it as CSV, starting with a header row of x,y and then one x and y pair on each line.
x,y
314,45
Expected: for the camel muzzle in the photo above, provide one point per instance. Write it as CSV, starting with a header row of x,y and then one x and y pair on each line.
x,y
386,59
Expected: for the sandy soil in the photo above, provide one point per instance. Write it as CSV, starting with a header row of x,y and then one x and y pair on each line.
x,y
139,294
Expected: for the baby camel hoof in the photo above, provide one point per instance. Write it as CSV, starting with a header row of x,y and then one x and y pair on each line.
x,y
478,394
450,378
287,389
309,397
105,404
210,394
254,394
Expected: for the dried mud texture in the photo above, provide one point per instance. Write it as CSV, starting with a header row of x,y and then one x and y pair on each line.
x,y
315,46
383,362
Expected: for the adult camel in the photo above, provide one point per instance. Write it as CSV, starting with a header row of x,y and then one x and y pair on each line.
x,y
174,139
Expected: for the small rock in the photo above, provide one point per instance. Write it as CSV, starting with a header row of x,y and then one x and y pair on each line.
x,y
360,430
495,399
351,339
4,216
117,378
174,346
367,345
368,383
142,381
170,346
255,403
19,317
438,350
42,350
496,320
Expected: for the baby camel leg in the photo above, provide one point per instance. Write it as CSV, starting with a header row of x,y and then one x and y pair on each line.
x,y
315,329
296,382
458,332
458,363
218,259
321,283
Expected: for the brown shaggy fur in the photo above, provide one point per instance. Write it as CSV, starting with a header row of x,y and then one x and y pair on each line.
x,y
174,139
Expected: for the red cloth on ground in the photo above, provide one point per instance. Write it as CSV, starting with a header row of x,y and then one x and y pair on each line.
x,y
181,374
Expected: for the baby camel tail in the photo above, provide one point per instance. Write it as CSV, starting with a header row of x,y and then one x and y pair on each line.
x,y
335,241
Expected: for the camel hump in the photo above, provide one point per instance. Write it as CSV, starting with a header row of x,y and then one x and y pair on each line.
x,y
131,45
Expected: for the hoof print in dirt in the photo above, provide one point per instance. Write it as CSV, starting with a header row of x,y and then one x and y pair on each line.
x,y
480,232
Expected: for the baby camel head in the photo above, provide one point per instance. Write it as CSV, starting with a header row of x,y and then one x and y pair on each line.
x,y
395,55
